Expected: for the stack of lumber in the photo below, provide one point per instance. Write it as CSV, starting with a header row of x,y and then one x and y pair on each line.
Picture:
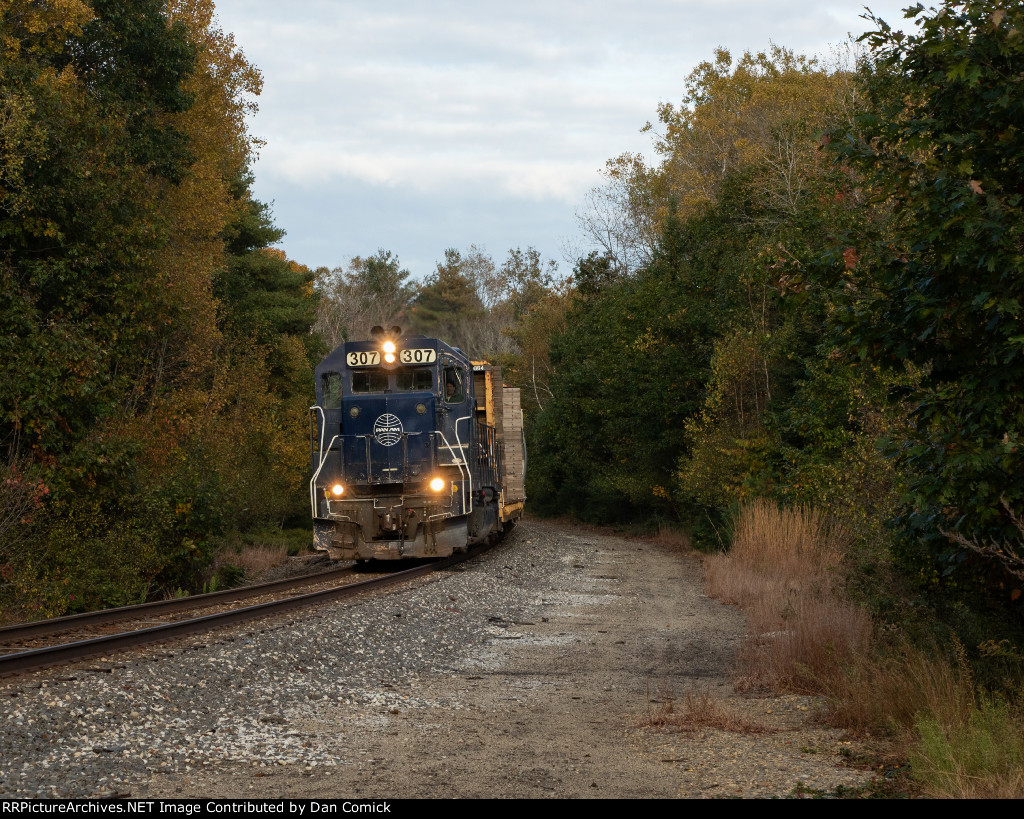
x,y
514,445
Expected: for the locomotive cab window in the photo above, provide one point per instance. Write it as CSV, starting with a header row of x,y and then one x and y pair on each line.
x,y
332,390
419,379
454,385
364,381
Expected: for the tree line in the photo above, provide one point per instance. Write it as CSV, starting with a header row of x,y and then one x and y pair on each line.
x,y
488,311
154,349
814,296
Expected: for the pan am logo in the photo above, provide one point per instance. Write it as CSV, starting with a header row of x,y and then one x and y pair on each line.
x,y
387,429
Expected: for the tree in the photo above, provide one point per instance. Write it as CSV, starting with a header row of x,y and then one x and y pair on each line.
x,y
532,314
704,299
621,216
371,291
628,367
447,302
939,143
761,113
127,384
263,297
88,144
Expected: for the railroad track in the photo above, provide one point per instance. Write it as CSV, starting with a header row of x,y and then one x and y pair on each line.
x,y
20,661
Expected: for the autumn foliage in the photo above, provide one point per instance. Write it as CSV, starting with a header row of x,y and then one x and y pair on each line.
x,y
154,354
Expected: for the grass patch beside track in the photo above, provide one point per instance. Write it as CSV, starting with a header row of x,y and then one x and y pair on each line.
x,y
786,568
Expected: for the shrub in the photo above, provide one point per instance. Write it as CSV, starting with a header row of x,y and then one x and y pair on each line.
x,y
982,756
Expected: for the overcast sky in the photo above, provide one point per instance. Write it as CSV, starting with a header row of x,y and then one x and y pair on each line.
x,y
420,126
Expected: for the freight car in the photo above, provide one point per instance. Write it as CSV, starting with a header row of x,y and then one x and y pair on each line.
x,y
416,450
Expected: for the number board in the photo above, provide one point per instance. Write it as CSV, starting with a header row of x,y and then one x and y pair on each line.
x,y
368,358
420,356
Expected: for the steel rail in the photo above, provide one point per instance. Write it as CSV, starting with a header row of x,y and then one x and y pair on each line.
x,y
55,625
34,659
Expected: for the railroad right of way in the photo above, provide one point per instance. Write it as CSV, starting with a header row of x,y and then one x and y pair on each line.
x,y
526,672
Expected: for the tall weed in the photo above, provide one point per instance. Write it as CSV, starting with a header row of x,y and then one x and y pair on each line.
x,y
786,570
886,689
781,568
255,559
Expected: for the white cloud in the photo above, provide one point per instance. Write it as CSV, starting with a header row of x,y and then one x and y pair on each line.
x,y
311,165
521,103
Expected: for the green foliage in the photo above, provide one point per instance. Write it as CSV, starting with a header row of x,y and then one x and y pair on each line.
x,y
940,145
77,219
628,369
92,557
262,295
154,352
827,453
267,301
983,756
292,541
134,61
446,300
226,576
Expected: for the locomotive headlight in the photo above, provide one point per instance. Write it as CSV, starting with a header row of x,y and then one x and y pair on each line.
x,y
389,347
437,484
389,357
337,490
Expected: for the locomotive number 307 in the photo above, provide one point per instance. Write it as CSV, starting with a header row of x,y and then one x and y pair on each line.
x,y
369,358
418,356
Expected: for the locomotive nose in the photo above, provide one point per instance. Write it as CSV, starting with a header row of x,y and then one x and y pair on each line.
x,y
389,438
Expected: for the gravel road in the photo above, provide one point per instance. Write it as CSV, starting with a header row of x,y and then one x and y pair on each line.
x,y
528,672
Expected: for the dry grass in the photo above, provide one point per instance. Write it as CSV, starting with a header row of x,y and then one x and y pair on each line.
x,y
808,637
781,570
887,689
697,711
254,560
811,638
793,543
672,538
961,745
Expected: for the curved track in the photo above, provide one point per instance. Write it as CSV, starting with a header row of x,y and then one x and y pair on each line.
x,y
23,661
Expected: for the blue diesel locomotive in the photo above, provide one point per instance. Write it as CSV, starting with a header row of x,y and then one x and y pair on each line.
x,y
416,450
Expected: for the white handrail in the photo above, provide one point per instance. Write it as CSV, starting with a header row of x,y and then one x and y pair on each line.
x,y
312,482
458,462
323,423
461,449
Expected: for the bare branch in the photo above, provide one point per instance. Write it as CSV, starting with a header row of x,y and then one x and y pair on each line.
x,y
1007,555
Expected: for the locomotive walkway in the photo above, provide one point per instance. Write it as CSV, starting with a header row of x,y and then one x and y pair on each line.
x,y
527,672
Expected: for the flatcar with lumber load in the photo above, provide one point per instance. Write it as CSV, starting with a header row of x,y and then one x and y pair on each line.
x,y
417,451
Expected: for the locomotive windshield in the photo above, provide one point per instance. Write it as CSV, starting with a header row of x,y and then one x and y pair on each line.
x,y
369,381
419,379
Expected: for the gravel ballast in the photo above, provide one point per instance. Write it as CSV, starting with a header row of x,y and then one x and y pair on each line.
x,y
527,672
